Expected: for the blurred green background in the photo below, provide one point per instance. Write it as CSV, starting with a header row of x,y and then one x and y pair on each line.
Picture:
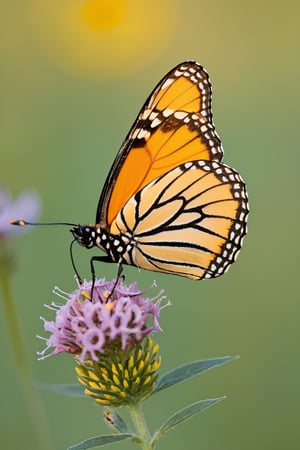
x,y
71,88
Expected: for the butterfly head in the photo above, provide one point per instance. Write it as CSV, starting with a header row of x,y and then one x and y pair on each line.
x,y
84,235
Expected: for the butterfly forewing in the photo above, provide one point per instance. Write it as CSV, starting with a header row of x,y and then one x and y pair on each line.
x,y
174,126
190,221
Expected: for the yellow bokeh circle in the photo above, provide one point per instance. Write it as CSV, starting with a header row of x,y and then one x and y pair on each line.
x,y
103,15
104,37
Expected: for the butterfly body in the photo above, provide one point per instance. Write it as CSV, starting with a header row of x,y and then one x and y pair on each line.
x,y
169,204
114,246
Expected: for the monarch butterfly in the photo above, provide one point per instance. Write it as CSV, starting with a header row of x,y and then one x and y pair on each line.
x,y
169,204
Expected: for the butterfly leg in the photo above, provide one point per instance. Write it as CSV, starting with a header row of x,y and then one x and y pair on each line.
x,y
104,259
73,263
119,275
92,260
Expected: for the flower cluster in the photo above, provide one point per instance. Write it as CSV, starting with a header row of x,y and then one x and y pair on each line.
x,y
109,335
117,315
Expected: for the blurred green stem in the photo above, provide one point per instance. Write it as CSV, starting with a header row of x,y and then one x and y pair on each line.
x,y
141,426
34,406
13,327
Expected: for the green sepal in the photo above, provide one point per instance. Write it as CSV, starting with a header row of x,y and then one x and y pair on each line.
x,y
189,370
115,421
100,441
184,414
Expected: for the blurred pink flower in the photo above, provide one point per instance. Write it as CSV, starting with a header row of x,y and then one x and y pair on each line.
x,y
26,206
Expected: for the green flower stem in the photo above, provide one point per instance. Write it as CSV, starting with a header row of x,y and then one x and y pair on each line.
x,y
32,399
13,327
141,426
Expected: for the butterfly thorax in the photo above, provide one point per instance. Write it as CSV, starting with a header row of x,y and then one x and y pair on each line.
x,y
90,236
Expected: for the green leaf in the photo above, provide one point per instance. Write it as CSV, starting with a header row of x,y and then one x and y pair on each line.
x,y
189,370
184,414
99,441
74,390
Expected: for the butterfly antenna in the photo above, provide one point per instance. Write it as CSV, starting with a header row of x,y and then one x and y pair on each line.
x,y
24,223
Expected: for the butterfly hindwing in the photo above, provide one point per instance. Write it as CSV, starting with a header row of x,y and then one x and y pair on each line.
x,y
190,221
174,126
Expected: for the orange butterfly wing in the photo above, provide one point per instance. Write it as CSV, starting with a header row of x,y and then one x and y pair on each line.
x,y
174,126
190,221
